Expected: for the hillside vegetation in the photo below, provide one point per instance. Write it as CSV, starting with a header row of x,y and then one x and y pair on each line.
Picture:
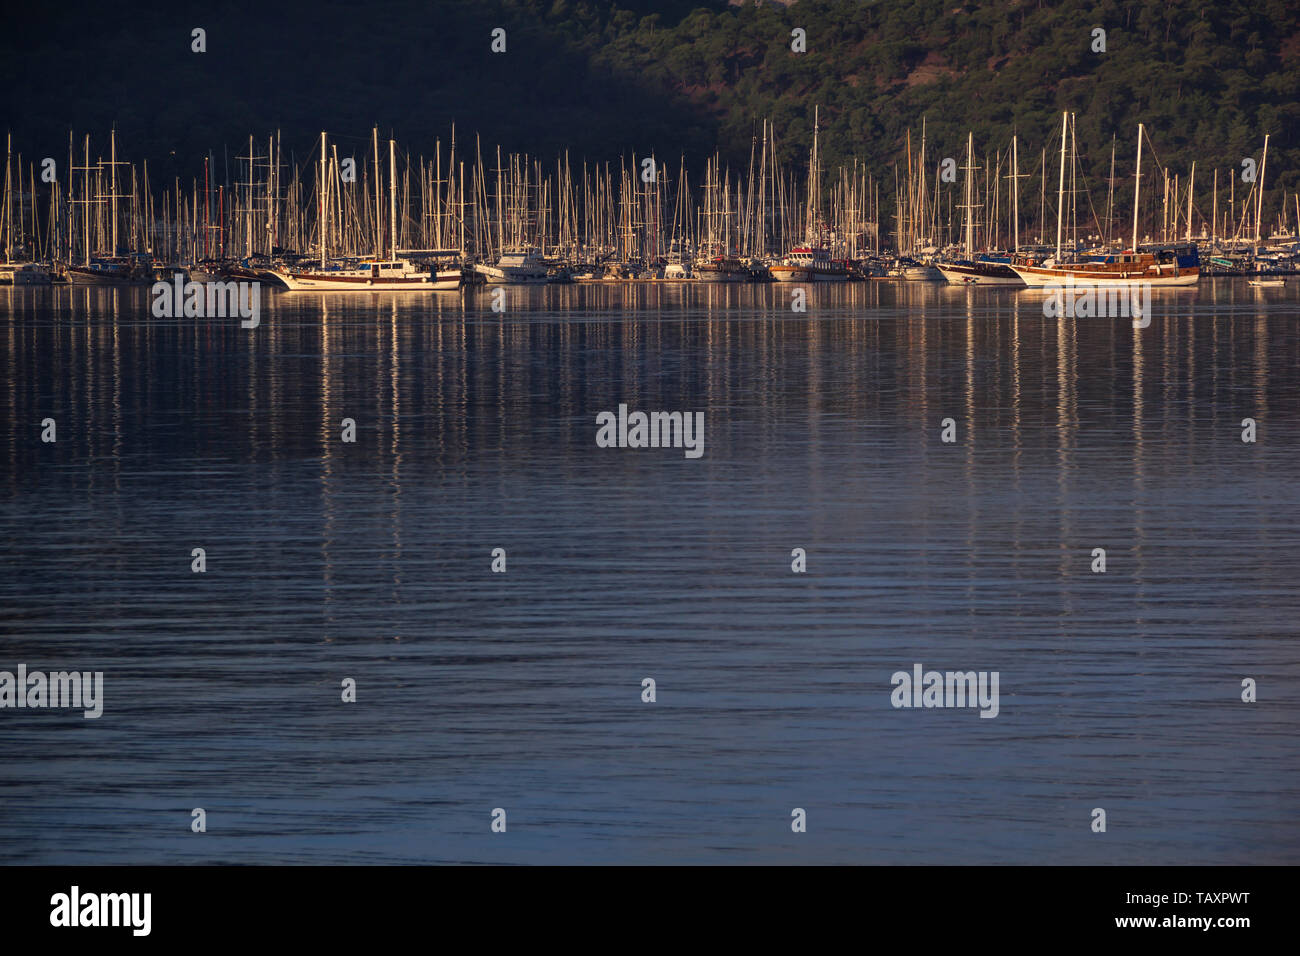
x,y
607,79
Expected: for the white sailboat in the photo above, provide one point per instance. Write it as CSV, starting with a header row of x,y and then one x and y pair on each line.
x,y
16,273
396,275
393,273
811,262
1170,267
970,271
522,267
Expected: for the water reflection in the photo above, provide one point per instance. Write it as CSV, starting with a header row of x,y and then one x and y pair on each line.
x,y
475,429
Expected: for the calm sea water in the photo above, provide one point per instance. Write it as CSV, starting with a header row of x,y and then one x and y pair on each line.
x,y
475,430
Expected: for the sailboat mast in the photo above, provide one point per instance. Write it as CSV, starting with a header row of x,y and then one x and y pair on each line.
x,y
814,180
1110,191
379,206
112,152
248,210
85,192
1015,196
1137,189
970,225
1060,189
323,199
1259,192
392,195
9,219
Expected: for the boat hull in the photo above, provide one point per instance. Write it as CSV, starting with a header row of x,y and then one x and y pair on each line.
x,y
782,273
1038,276
23,273
966,275
79,275
324,282
507,276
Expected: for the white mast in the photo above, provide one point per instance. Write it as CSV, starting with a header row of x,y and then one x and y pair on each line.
x,y
248,212
323,200
920,221
9,218
113,194
1190,186
813,182
1137,190
1259,192
1015,185
379,208
1060,189
970,226
85,191
392,195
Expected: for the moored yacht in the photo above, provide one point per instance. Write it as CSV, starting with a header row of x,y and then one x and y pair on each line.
x,y
1165,267
808,264
812,262
979,271
24,273
987,269
524,267
908,268
723,269
395,275
117,270
382,273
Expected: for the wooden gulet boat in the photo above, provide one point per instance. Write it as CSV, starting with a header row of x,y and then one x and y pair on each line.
x,y
110,271
382,274
1178,267
1168,269
807,264
397,275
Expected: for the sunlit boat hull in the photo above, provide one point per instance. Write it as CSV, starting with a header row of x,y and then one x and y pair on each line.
x,y
784,273
23,273
86,275
1038,276
979,273
324,282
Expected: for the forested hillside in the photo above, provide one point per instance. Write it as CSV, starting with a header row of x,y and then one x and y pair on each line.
x,y
604,79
